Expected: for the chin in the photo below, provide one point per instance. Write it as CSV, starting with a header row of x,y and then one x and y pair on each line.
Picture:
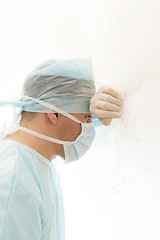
x,y
62,155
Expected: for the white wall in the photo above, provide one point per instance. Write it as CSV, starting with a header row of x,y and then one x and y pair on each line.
x,y
113,192
117,185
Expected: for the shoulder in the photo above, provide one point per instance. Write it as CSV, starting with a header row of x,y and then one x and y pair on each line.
x,y
15,167
7,159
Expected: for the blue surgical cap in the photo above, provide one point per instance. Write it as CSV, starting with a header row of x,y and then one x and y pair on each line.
x,y
67,84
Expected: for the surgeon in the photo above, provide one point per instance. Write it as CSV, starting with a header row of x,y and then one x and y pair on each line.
x,y
54,118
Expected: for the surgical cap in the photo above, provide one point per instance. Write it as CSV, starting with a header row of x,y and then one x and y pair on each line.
x,y
66,84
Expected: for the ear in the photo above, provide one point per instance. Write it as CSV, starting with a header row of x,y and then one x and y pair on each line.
x,y
53,118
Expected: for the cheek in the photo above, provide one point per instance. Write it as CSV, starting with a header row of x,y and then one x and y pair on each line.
x,y
74,132
70,132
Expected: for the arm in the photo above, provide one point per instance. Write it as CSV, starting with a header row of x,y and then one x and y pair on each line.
x,y
19,214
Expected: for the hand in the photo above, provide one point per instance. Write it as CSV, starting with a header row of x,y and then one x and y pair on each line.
x,y
105,105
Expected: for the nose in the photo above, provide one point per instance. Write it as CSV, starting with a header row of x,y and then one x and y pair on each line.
x,y
89,120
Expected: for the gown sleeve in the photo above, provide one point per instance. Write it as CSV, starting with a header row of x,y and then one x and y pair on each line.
x,y
20,216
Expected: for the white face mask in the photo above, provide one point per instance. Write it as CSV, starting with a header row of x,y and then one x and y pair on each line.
x,y
73,150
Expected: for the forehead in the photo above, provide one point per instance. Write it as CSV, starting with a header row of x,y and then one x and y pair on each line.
x,y
81,114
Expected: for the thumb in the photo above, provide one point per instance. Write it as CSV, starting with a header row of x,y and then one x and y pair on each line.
x,y
105,122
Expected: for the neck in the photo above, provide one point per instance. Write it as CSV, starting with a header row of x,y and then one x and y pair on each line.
x,y
45,148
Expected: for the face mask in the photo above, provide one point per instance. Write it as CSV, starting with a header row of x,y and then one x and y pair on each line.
x,y
73,150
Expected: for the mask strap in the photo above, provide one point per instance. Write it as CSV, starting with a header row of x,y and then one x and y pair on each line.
x,y
53,108
27,130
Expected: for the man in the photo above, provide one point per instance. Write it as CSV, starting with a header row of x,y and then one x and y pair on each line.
x,y
55,121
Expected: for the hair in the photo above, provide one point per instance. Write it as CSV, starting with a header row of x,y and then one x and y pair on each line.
x,y
27,116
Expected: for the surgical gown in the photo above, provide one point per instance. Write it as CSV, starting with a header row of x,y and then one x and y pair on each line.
x,y
31,203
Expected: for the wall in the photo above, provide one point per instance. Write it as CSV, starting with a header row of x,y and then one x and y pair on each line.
x,y
117,185
113,192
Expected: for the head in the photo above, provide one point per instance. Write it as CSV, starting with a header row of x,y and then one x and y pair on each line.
x,y
65,84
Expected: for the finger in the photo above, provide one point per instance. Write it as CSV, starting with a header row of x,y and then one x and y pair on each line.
x,y
106,114
111,92
106,106
106,122
108,98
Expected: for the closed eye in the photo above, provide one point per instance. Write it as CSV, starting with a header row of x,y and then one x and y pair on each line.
x,y
89,116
